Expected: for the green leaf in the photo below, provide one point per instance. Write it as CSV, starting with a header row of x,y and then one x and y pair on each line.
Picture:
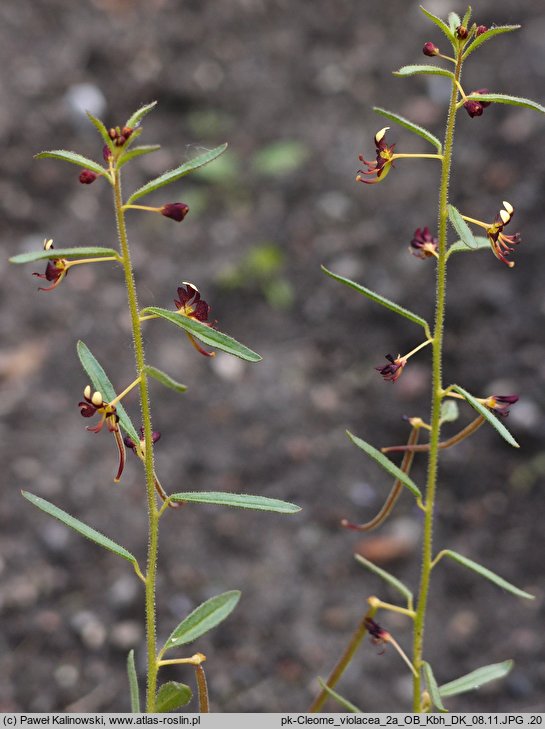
x,y
241,501
137,117
460,247
476,679
377,298
461,227
440,24
505,99
280,158
164,379
133,683
75,159
386,464
487,35
101,128
205,334
454,22
433,688
486,573
449,411
177,173
487,415
467,17
415,128
205,617
426,70
171,696
340,699
102,384
81,252
137,152
386,576
79,526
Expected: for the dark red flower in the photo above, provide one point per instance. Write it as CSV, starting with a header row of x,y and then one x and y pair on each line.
x,y
175,211
502,244
500,404
132,445
392,371
384,160
55,271
474,107
430,49
424,244
119,136
379,636
87,177
190,303
93,403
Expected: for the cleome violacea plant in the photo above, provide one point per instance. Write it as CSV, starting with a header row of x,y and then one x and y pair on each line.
x,y
428,695
102,404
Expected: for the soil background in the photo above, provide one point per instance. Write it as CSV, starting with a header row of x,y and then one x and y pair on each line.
x,y
290,86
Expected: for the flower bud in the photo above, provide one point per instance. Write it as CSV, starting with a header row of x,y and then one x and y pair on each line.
x,y
106,153
481,29
87,176
175,211
430,49
462,32
484,104
474,108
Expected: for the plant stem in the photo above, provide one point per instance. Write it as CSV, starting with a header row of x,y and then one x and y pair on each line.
x,y
437,393
153,519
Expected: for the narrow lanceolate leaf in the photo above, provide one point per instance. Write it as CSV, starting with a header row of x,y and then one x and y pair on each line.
x,y
411,126
203,618
241,501
454,22
433,688
102,384
75,159
177,173
205,334
81,252
476,679
460,246
505,99
467,17
486,573
386,576
439,23
461,227
79,526
426,70
348,705
164,379
449,411
101,128
133,683
386,464
137,117
490,33
487,415
377,298
171,696
137,152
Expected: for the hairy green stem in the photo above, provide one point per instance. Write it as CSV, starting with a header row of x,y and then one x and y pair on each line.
x,y
153,517
437,394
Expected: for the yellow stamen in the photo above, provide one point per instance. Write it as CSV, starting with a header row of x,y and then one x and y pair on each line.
x,y
97,399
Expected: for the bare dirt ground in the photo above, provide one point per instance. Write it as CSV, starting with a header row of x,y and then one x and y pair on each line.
x,y
256,73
